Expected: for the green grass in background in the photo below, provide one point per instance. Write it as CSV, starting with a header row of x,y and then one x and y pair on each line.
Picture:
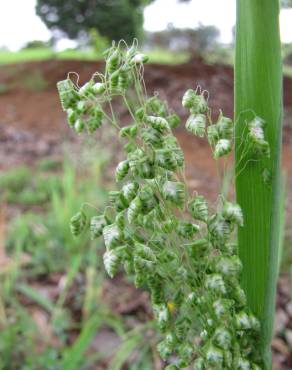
x,y
38,54
156,55
39,246
164,56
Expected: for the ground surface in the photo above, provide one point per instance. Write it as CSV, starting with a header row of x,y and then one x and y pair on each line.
x,y
32,126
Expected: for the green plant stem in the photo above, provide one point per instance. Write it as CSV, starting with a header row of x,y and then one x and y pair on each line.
x,y
258,88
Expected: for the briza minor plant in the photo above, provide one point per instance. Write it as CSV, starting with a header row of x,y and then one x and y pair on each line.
x,y
176,247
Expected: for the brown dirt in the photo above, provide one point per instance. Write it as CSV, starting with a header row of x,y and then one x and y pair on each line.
x,y
32,126
22,108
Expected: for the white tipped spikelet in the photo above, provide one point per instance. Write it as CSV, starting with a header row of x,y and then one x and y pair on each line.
x,y
111,260
223,147
204,334
112,236
219,308
174,192
222,338
161,313
130,190
97,224
257,122
214,356
233,213
198,208
243,364
188,98
229,266
256,134
139,58
86,89
257,137
219,228
159,123
254,323
215,283
225,127
242,321
199,364
98,88
122,170
196,124
212,134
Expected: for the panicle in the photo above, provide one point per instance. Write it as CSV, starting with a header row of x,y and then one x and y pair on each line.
x,y
172,244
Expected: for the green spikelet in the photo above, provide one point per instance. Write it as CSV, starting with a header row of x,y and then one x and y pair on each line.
x,y
200,104
173,120
198,208
79,125
113,62
130,190
152,137
122,170
159,123
187,229
78,223
129,131
174,192
196,124
94,123
113,236
97,224
222,148
189,99
112,260
68,94
86,91
139,59
134,210
165,158
224,126
72,117
219,228
212,134
233,213
98,88
162,316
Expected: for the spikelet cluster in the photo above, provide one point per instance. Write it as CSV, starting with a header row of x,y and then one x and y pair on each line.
x,y
172,243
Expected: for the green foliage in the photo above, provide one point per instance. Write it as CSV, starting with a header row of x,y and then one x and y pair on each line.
x,y
197,40
98,42
157,55
15,179
74,356
115,19
37,44
187,261
8,57
49,247
17,186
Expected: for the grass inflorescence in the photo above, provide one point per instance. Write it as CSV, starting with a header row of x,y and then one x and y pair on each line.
x,y
172,242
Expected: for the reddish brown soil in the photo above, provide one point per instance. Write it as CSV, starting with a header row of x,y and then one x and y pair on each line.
x,y
40,112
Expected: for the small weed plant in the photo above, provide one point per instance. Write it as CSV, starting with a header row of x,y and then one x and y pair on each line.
x,y
174,243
